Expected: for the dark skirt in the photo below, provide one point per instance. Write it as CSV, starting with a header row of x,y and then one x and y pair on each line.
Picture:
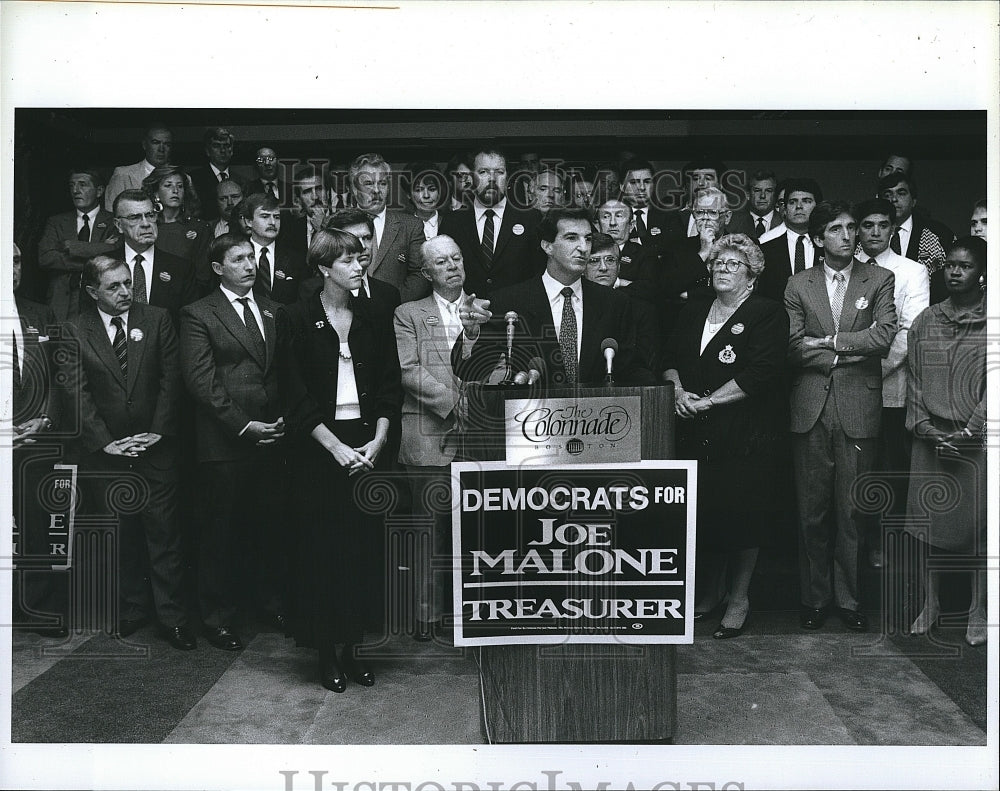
x,y
946,502
334,546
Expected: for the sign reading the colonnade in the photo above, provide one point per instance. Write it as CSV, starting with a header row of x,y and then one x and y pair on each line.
x,y
602,554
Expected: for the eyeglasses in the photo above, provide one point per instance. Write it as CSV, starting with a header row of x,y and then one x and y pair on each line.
x,y
266,160
150,216
730,265
608,260
711,214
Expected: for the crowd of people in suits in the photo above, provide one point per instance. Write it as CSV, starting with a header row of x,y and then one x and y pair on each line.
x,y
256,340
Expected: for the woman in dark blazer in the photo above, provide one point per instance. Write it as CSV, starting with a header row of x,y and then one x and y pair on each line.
x,y
342,386
728,355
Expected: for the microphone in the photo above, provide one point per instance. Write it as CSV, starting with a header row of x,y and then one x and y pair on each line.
x,y
511,318
536,367
609,347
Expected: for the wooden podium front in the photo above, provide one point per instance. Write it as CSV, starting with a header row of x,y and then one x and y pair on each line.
x,y
575,692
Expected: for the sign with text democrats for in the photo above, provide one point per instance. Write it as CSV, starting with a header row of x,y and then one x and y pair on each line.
x,y
602,554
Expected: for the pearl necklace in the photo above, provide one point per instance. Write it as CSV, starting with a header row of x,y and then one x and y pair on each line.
x,y
332,323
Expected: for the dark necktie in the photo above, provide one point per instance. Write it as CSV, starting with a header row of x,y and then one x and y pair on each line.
x,y
139,293
873,262
760,230
800,254
363,292
253,328
269,189
567,336
223,176
264,272
640,226
17,359
119,345
488,235
894,243
84,233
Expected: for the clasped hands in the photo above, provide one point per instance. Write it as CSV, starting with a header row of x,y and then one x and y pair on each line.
x,y
132,446
951,443
265,433
23,433
357,459
688,405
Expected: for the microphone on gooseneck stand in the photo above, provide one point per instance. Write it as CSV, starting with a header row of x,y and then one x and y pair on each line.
x,y
609,348
508,379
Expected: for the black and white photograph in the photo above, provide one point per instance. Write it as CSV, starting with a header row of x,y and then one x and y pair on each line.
x,y
499,395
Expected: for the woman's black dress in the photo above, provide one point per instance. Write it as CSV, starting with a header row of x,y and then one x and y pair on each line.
x,y
333,534
738,444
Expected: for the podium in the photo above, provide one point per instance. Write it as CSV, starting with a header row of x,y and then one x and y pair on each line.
x,y
578,693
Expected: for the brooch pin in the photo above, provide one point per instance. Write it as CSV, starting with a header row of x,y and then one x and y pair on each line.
x,y
320,325
33,330
432,320
654,231
165,277
101,225
402,257
135,334
191,234
861,304
268,314
727,355
279,273
626,259
517,230
737,329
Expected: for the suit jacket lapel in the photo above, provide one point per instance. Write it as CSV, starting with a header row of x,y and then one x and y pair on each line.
x,y
504,234
821,298
855,289
594,306
228,319
97,336
270,334
136,347
389,231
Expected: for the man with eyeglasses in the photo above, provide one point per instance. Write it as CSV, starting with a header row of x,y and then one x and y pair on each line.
x,y
267,178
398,234
158,277
499,241
698,175
156,145
842,320
219,143
603,268
793,251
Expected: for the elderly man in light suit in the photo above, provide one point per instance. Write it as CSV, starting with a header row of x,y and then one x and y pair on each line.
x,y
426,331
842,320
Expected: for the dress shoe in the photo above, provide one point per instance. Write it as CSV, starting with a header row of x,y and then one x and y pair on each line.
x,y
129,626
331,676
180,637
853,620
704,615
876,559
355,668
812,619
424,632
975,633
729,632
224,638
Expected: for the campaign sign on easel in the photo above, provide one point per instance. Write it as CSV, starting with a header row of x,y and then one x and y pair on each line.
x,y
602,554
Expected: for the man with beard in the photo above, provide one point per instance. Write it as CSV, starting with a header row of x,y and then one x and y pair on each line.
x,y
499,242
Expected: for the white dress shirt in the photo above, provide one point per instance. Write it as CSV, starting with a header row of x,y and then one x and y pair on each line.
x,y
905,229
91,219
792,238
480,211
110,328
431,225
270,257
767,219
232,296
216,172
552,290
147,266
379,222
449,315
368,286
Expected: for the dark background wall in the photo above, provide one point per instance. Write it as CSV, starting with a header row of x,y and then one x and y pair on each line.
x,y
842,150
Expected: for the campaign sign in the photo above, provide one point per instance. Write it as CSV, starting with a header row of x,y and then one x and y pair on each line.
x,y
602,554
47,508
588,430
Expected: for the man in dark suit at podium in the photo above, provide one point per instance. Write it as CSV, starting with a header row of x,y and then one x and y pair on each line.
x,y
561,319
